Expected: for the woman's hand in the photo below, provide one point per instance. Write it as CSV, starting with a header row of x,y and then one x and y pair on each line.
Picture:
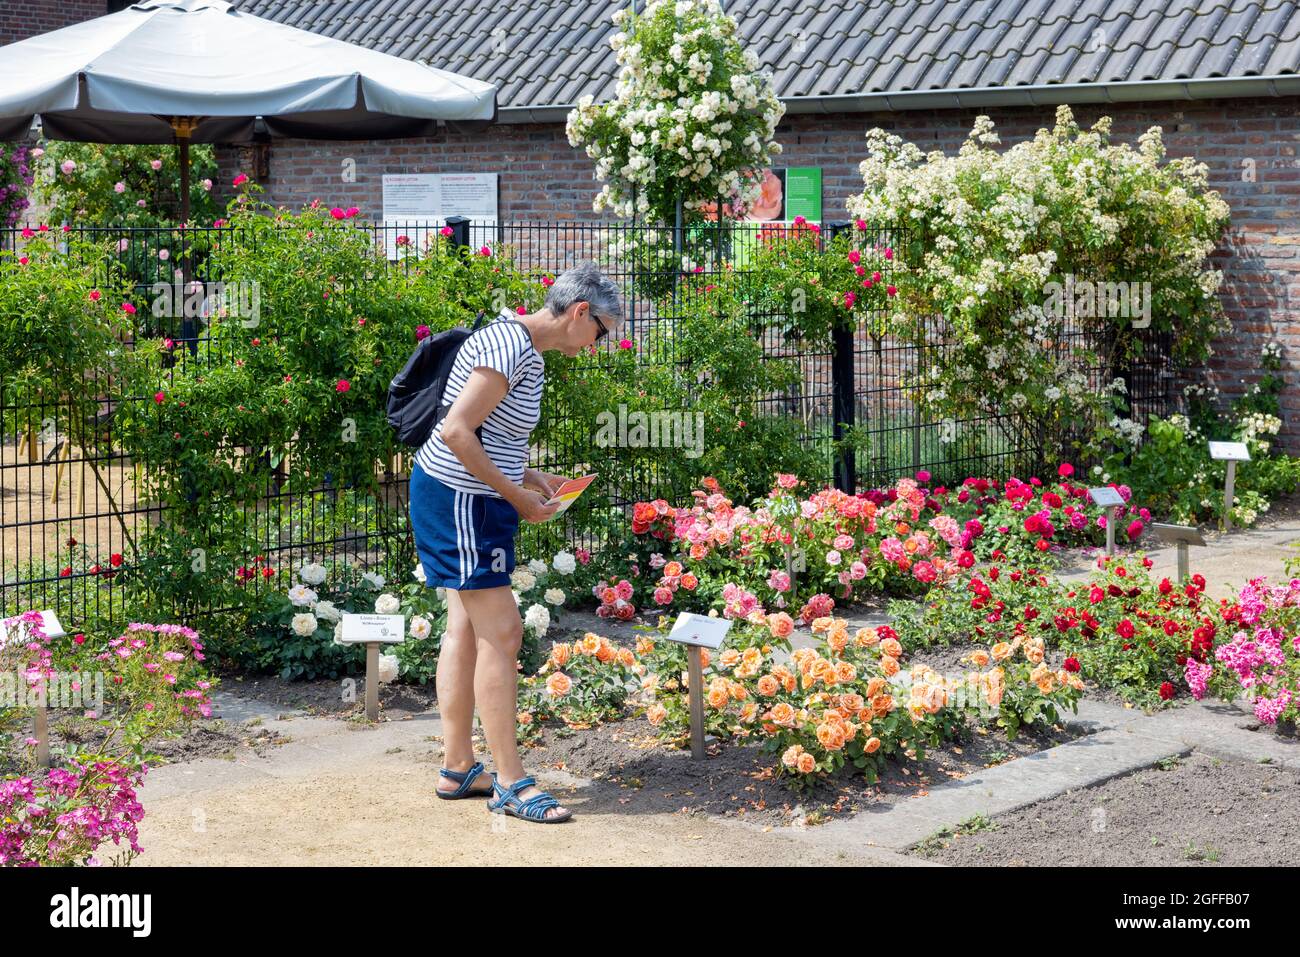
x,y
531,505
546,482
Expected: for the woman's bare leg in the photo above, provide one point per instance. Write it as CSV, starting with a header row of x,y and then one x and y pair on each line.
x,y
499,633
455,684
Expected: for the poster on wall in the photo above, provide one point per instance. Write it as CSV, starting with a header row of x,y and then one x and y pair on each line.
x,y
786,193
418,204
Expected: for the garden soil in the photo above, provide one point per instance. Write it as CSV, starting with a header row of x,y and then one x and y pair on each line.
x,y
1197,811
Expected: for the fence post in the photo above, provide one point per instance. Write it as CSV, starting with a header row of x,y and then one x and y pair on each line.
x,y
843,387
459,231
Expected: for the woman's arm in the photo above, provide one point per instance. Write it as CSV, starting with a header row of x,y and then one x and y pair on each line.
x,y
483,393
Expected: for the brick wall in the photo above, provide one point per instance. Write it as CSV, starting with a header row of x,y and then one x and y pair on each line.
x,y
1249,146
20,19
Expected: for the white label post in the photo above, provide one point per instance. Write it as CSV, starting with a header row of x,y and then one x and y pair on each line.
x,y
697,632
372,631
1109,499
1232,453
51,628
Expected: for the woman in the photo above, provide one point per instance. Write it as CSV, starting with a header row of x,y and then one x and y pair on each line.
x,y
467,497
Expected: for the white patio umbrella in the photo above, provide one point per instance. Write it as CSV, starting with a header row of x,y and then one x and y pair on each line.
x,y
185,71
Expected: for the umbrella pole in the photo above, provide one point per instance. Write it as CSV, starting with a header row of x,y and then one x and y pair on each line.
x,y
182,127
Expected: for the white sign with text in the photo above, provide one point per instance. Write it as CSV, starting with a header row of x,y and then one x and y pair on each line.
x,y
363,629
691,629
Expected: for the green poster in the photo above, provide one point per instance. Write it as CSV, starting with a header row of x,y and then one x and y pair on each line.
x,y
803,193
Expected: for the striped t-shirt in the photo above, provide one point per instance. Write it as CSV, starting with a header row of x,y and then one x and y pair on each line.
x,y
506,346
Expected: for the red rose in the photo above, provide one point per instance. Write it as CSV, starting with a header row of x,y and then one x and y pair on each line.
x,y
1126,629
1071,664
115,559
1165,586
1065,470
342,385
1167,691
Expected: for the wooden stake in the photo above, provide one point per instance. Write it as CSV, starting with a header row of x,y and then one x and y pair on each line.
x,y
60,467
696,694
1111,513
1228,484
372,680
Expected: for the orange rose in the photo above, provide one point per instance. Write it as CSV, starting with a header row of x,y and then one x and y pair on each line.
x,y
875,686
820,625
656,714
1001,651
748,712
558,684
719,693
605,651
704,657
889,666
807,764
625,657
644,645
901,528
783,714
866,637
699,551
882,704
845,672
588,644
830,737
673,570
891,647
780,625
729,658
979,658
560,655
872,745
790,758
768,685
524,719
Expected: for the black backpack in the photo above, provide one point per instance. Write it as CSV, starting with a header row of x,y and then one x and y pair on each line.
x,y
415,394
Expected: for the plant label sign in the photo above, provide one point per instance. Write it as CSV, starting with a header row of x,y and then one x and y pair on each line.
x,y
701,630
1229,451
1178,534
364,629
1106,497
49,625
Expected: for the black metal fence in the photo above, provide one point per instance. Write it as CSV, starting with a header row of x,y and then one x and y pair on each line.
x,y
53,492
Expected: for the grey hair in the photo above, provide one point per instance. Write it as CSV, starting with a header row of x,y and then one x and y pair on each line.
x,y
586,283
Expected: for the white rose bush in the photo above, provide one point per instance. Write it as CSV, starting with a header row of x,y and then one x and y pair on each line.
x,y
1027,265
692,119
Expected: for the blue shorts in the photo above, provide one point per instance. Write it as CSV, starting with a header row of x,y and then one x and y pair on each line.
x,y
464,540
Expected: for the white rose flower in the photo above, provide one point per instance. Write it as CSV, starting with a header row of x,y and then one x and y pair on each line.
x,y
304,624
538,618
387,604
564,563
326,611
338,635
301,595
420,627
312,573
554,596
374,581
419,574
441,593
537,567
522,579
387,669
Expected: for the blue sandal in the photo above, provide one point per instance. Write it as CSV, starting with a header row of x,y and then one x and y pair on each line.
x,y
507,801
466,780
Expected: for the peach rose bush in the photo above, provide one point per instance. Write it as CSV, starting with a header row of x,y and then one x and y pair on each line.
x,y
851,702
580,684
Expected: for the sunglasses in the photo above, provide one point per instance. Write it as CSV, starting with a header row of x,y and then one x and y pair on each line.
x,y
603,331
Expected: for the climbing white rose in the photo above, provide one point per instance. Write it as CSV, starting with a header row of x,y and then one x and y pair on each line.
x,y
304,624
387,604
564,563
312,573
373,580
419,574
